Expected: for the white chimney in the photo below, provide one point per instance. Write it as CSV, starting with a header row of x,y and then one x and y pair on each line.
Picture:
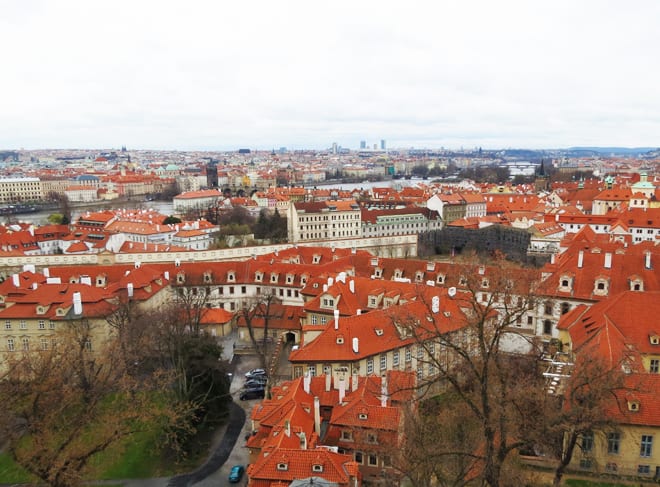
x,y
287,427
552,258
328,382
34,285
608,260
580,259
336,319
354,381
306,382
342,389
86,280
46,272
53,280
356,343
331,281
351,286
383,391
556,217
77,303
16,280
129,288
430,266
317,415
648,259
303,440
325,288
29,268
358,312
167,275
435,304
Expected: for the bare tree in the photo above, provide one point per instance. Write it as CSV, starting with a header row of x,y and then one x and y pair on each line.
x,y
579,410
64,405
488,386
258,313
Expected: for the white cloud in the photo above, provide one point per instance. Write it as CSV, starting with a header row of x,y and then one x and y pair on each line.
x,y
298,73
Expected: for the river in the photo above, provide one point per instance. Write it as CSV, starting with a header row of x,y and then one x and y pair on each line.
x,y
166,207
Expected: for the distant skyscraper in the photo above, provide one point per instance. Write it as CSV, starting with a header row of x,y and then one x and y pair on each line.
x,y
335,147
363,144
382,144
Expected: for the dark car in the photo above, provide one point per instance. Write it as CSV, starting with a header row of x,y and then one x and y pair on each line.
x,y
253,393
236,473
255,383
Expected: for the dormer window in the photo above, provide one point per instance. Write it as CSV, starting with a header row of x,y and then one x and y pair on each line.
x,y
207,277
60,312
398,273
462,281
316,259
317,468
327,303
636,284
340,340
440,279
362,416
378,272
231,276
373,301
601,287
419,276
259,276
654,339
282,467
180,278
633,405
289,278
484,282
273,277
303,280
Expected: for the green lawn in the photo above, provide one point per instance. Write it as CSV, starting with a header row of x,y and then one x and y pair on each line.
x,y
10,473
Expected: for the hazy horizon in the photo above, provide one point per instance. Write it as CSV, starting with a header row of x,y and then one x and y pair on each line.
x,y
205,75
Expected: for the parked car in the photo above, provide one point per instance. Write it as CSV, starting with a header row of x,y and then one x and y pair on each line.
x,y
253,393
255,382
236,473
255,373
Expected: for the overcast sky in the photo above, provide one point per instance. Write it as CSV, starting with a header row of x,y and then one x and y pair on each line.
x,y
303,74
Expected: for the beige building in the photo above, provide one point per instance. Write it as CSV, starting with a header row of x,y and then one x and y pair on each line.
x,y
13,190
324,220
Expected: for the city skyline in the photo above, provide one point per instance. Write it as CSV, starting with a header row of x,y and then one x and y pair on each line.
x,y
174,76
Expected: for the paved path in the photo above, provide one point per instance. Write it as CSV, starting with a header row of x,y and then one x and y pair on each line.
x,y
221,453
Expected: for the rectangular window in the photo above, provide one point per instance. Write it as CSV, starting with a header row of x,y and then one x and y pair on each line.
x,y
347,435
613,443
587,442
655,366
26,344
408,354
315,320
383,363
373,460
311,369
23,325
42,325
358,457
420,372
10,344
643,469
88,345
370,366
646,446
7,324
324,320
44,343
51,325
395,359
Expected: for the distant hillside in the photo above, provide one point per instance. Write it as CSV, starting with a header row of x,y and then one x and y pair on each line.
x,y
623,151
